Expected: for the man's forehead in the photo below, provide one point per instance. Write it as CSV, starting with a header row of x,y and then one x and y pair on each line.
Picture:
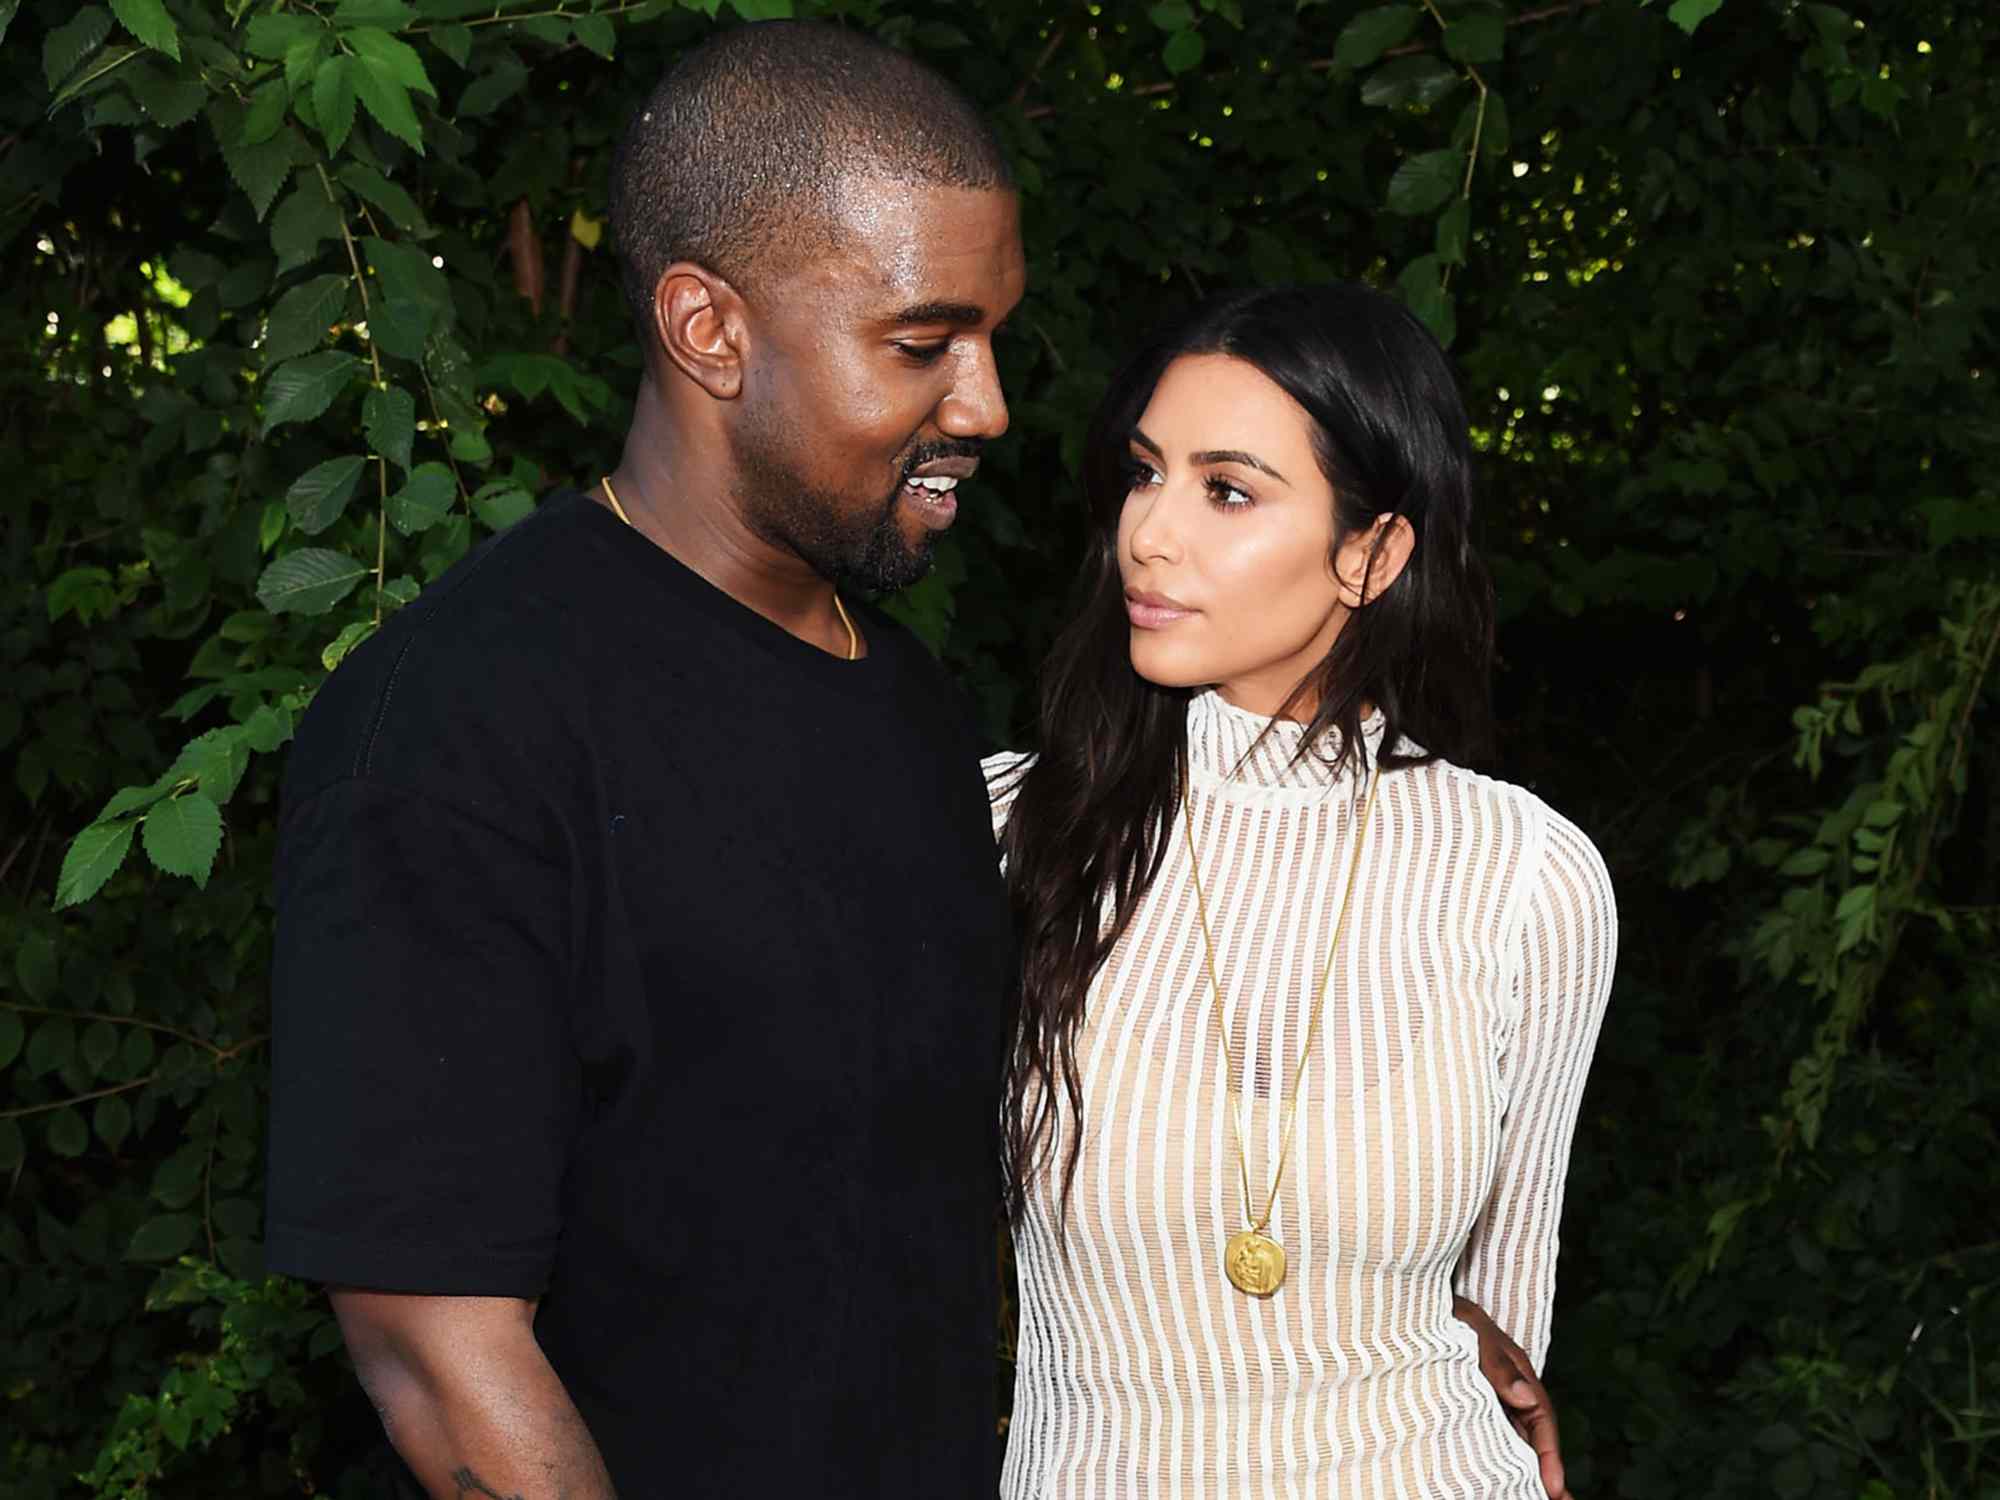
x,y
925,252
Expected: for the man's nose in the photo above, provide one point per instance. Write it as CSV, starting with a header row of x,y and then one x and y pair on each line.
x,y
976,407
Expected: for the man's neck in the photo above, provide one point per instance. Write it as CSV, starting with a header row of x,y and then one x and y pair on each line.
x,y
677,493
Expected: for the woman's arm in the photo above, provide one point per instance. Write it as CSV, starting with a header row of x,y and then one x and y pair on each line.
x,y
1564,957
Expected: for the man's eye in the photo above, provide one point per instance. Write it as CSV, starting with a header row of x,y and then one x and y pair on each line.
x,y
923,354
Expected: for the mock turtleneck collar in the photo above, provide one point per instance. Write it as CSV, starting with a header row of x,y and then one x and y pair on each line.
x,y
1220,737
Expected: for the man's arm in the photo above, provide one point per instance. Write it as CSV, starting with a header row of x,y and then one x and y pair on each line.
x,y
1505,1365
467,1397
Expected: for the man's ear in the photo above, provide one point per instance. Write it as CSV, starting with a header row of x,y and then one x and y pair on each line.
x,y
1370,560
699,325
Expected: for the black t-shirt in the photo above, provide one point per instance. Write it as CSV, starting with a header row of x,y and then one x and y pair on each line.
x,y
635,955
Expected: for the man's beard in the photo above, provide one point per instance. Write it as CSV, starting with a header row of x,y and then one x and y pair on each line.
x,y
865,553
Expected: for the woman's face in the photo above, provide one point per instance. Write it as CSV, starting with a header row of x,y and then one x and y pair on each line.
x,y
1225,543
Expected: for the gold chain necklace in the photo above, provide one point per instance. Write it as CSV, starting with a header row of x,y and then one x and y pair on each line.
x,y
853,636
1252,1260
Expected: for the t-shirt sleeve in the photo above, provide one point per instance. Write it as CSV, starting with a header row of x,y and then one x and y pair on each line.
x,y
425,1086
1563,965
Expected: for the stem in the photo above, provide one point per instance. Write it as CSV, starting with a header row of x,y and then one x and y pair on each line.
x,y
558,9
354,263
92,1015
381,530
116,1088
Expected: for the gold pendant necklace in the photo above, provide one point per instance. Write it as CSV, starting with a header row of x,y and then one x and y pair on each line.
x,y
1253,1261
853,636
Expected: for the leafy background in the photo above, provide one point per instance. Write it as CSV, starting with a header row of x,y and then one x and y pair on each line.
x,y
306,296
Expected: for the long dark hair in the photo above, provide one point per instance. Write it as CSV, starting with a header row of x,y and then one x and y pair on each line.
x,y
1090,819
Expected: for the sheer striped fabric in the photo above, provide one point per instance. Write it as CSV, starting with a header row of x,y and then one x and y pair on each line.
x,y
1432,1140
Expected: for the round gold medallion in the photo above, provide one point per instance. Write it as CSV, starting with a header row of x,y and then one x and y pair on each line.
x,y
1254,1263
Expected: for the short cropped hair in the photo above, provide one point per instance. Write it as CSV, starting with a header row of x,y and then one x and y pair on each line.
x,y
735,160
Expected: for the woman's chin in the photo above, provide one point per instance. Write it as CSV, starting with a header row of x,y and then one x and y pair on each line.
x,y
1165,668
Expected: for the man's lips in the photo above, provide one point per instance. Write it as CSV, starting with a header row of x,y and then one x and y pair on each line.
x,y
1150,611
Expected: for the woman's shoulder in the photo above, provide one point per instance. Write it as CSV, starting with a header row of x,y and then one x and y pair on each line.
x,y
1005,771
1561,849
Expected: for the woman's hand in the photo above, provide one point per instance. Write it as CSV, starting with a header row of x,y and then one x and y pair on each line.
x,y
1521,1391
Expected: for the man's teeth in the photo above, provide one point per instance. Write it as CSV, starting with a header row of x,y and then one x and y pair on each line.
x,y
938,485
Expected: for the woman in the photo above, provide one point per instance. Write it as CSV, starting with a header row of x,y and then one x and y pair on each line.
x,y
1307,1007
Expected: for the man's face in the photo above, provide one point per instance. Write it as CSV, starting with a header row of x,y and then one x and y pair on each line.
x,y
869,385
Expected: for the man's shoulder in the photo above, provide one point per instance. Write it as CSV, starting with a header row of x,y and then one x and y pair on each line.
x,y
478,654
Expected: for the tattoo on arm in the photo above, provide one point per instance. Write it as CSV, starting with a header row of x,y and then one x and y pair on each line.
x,y
469,1483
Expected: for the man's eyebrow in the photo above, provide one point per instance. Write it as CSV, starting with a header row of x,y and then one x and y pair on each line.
x,y
967,313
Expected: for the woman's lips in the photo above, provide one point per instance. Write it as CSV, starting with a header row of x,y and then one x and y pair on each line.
x,y
1154,611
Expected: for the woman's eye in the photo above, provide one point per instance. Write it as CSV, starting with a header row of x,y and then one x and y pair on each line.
x,y
1224,495
1139,474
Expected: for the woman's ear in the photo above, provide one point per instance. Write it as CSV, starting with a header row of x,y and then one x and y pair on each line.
x,y
1368,561
699,325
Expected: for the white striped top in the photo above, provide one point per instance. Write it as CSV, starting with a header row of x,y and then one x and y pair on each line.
x,y
1431,1146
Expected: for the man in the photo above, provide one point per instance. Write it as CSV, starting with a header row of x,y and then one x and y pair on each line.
x,y
642,963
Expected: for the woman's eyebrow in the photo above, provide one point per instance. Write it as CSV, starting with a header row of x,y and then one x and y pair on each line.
x,y
1238,456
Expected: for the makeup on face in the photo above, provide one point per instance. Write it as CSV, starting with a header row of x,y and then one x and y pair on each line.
x,y
1225,538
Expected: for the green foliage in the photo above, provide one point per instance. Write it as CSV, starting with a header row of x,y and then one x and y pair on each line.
x,y
1721,282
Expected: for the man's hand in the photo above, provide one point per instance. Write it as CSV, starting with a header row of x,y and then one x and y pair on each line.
x,y
1505,1364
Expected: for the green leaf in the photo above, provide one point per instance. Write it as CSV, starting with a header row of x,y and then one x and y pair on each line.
x,y
493,88
333,100
8,10
318,496
407,275
1425,182
309,581
598,34
84,592
271,37
373,13
216,760
1172,15
1373,32
149,22
351,635
260,170
177,1180
93,858
1454,232
304,221
112,1119
1184,51
303,317
168,100
1420,81
302,60
762,10
70,43
35,968
1689,14
455,42
97,1046
1478,38
266,112
53,1046
389,102
501,504
183,834
400,328
389,418
163,1238
392,58
1423,291
13,1031
388,196
68,1134
424,500
301,389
